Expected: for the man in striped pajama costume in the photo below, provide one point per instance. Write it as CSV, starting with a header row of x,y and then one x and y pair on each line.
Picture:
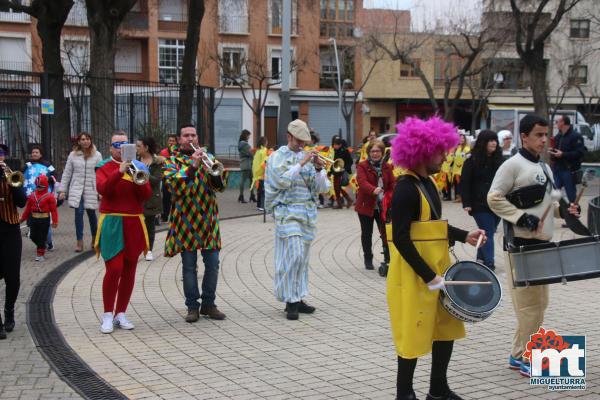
x,y
294,179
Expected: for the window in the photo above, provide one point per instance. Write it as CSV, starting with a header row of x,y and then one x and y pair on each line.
x,y
233,16
408,70
15,54
329,74
233,59
170,60
578,74
76,57
580,28
446,67
337,18
505,73
276,64
172,10
128,57
276,17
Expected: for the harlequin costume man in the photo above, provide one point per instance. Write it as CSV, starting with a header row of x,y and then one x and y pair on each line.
x,y
122,235
41,206
419,257
194,222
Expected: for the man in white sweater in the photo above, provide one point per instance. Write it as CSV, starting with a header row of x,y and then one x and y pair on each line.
x,y
522,170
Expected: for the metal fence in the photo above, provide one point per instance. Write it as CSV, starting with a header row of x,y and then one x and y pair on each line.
x,y
140,108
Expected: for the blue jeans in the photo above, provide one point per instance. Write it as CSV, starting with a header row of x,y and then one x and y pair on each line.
x,y
564,178
209,280
79,220
487,221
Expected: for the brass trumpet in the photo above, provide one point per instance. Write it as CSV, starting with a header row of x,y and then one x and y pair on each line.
x,y
337,165
14,178
138,176
214,168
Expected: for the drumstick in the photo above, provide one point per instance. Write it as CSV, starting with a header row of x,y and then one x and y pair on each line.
x,y
462,283
555,195
479,240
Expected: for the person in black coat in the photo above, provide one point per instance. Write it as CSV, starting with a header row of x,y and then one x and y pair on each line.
x,y
477,176
340,178
566,156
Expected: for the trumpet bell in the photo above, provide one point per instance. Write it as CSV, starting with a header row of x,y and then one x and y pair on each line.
x,y
338,165
216,169
15,179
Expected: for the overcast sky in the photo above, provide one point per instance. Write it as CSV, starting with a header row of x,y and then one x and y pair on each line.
x,y
425,12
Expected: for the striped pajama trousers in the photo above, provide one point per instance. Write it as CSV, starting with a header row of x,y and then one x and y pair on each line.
x,y
291,268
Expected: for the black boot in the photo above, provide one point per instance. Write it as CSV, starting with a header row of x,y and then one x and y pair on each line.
x,y
386,255
2,331
369,262
241,199
252,197
292,310
9,320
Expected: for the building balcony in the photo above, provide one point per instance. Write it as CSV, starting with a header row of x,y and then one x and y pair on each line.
x,y
7,15
16,65
232,24
135,20
336,30
172,22
128,69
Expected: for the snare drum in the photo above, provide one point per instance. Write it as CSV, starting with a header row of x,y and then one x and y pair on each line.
x,y
554,262
471,303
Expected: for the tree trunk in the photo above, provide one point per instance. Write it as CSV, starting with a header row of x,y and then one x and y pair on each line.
x,y
104,19
537,70
49,32
188,72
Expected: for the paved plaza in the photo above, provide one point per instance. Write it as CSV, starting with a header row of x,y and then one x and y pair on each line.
x,y
343,351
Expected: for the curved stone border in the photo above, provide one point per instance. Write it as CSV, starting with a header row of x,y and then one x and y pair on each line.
x,y
51,343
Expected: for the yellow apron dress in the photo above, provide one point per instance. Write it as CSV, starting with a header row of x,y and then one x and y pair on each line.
x,y
416,315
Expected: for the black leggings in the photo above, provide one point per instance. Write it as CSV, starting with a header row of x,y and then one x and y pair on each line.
x,y
366,232
39,231
10,261
438,383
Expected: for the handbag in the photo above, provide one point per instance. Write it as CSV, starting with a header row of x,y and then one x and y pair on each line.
x,y
345,181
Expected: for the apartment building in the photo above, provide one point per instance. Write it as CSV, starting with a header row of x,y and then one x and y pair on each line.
x,y
571,54
152,41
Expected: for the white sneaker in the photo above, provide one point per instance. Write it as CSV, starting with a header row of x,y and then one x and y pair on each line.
x,y
107,323
149,256
39,258
121,321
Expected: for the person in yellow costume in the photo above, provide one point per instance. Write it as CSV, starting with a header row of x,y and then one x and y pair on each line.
x,y
258,171
443,179
372,135
461,153
419,257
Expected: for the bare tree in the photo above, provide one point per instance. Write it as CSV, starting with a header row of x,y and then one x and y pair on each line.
x,y
104,19
461,48
51,16
251,73
188,72
534,21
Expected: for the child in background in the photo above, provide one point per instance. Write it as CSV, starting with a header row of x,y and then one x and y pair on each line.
x,y
41,207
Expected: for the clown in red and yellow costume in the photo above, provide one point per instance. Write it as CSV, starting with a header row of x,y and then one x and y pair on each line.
x,y
121,236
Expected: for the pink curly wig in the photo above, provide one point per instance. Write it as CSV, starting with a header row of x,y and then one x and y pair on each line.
x,y
419,140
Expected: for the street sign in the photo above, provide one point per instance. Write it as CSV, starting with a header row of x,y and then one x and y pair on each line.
x,y
47,106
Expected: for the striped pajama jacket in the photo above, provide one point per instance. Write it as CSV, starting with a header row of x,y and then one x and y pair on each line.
x,y
291,193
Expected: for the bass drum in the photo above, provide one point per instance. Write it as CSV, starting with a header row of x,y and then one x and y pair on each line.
x,y
471,303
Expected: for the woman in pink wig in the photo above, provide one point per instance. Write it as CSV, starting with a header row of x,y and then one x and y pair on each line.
x,y
419,257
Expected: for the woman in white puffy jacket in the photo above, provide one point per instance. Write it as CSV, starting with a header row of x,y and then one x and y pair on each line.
x,y
79,182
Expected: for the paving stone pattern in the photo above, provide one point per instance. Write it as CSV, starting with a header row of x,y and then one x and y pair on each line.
x,y
343,351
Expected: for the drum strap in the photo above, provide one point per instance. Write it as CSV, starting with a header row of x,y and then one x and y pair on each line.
x,y
422,188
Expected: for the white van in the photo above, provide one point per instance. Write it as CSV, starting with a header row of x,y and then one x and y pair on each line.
x,y
508,118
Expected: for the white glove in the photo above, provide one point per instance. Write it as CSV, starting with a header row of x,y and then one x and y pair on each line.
x,y
435,286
